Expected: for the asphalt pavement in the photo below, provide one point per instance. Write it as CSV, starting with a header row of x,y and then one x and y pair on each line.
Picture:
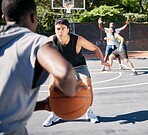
x,y
120,103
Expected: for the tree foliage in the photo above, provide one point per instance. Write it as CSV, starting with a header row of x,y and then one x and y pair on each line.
x,y
110,10
111,13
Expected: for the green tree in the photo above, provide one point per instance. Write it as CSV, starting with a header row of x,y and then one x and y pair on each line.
x,y
46,15
133,6
109,13
116,10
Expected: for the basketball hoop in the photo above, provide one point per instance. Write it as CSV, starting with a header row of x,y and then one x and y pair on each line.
x,y
68,6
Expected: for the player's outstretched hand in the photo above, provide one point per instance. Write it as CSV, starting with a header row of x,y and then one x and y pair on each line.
x,y
99,20
127,21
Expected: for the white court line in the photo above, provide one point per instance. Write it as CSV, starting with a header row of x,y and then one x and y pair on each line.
x,y
123,86
115,87
120,74
140,69
111,87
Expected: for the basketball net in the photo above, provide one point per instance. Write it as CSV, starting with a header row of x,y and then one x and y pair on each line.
x,y
68,5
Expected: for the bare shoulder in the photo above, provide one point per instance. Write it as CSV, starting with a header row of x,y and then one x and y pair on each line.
x,y
81,39
82,42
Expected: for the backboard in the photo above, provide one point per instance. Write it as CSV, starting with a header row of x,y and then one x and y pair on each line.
x,y
76,4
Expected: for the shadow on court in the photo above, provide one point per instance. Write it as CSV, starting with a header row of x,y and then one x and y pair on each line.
x,y
133,117
129,118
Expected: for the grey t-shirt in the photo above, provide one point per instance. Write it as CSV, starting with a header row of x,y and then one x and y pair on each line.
x,y
18,50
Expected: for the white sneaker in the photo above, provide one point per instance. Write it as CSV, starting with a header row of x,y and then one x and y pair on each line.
x,y
91,116
102,69
134,73
51,119
121,67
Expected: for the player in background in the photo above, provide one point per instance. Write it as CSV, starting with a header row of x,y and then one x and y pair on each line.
x,y
110,44
121,50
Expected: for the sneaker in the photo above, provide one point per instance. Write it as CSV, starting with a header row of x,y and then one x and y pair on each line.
x,y
51,119
134,73
121,67
102,69
91,116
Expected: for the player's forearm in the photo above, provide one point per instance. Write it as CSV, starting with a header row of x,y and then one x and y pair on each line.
x,y
100,55
123,27
68,82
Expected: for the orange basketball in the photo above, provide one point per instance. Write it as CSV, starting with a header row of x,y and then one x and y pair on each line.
x,y
70,108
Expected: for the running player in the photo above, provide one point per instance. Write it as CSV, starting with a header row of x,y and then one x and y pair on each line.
x,y
110,45
121,49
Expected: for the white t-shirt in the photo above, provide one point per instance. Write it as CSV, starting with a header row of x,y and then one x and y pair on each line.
x,y
109,35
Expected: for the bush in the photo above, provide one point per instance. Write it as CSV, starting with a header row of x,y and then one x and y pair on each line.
x,y
108,13
137,17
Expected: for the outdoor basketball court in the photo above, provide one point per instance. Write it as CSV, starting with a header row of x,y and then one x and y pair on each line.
x,y
120,100
120,103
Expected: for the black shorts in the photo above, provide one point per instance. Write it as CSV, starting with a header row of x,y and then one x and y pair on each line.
x,y
110,49
122,52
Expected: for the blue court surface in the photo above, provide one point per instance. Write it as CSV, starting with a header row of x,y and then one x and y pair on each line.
x,y
120,103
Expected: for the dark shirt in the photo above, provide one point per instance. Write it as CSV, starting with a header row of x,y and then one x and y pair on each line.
x,y
69,51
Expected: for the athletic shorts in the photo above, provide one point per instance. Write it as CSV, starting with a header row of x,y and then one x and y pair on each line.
x,y
110,49
82,72
122,53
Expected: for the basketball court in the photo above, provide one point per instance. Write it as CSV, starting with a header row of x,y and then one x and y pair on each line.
x,y
120,100
120,103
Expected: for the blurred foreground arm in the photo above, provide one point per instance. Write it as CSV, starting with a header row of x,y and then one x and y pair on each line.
x,y
63,72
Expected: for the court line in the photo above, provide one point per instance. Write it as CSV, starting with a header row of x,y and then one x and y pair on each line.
x,y
107,80
123,86
111,87
114,87
140,69
120,74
